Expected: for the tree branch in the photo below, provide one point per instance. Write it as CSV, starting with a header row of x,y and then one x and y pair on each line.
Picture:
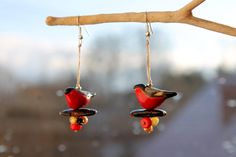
x,y
193,4
183,15
213,26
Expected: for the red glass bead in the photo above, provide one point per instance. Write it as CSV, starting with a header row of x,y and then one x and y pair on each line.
x,y
146,122
75,127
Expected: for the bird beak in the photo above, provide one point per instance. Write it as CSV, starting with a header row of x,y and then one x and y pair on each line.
x,y
91,95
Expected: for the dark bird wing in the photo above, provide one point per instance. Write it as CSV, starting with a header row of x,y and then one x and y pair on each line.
x,y
155,92
151,91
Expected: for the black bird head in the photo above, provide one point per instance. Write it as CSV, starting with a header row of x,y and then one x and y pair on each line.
x,y
142,86
68,90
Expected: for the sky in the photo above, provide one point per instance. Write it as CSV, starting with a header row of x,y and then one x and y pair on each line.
x,y
29,46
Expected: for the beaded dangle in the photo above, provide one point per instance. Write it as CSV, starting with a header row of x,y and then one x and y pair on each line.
x,y
77,99
148,96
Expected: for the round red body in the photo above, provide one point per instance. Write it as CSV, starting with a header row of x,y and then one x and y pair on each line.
x,y
76,99
146,101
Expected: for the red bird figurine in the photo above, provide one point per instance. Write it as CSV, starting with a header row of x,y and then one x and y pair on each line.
x,y
77,98
150,97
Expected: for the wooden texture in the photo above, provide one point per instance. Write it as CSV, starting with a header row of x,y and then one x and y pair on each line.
x,y
183,15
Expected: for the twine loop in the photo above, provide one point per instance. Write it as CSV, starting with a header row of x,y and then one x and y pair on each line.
x,y
148,50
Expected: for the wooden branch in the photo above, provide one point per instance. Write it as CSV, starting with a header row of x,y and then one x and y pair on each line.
x,y
183,15
193,4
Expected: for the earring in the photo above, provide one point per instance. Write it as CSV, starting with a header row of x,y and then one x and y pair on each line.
x,y
77,99
150,97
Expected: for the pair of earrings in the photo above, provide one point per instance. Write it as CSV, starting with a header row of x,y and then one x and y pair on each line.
x,y
148,97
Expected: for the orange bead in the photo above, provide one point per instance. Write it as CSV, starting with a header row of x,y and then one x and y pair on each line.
x,y
148,130
84,119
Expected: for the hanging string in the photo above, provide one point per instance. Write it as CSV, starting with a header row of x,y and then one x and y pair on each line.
x,y
148,51
80,38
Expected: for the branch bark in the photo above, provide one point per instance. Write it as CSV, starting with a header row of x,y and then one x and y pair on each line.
x,y
193,4
183,15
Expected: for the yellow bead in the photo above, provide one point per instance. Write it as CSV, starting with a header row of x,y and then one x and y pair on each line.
x,y
73,120
155,121
148,130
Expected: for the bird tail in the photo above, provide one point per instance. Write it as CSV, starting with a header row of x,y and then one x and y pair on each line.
x,y
170,94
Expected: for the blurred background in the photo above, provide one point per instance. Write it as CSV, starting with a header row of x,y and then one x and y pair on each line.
x,y
38,62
